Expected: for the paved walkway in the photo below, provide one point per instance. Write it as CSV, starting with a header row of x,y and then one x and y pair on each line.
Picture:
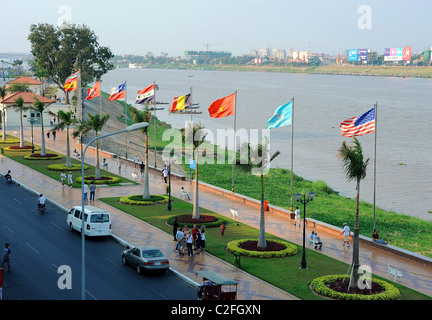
x,y
135,232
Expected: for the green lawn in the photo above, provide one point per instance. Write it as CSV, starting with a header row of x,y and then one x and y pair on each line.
x,y
281,272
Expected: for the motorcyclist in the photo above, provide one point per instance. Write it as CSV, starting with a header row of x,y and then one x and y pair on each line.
x,y
8,176
41,201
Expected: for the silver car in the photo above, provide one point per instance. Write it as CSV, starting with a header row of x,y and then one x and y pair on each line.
x,y
145,258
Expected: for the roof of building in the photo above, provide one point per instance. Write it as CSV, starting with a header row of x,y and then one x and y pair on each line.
x,y
28,80
28,97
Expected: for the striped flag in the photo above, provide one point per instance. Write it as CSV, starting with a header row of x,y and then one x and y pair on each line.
x,y
146,95
71,82
118,92
181,103
359,126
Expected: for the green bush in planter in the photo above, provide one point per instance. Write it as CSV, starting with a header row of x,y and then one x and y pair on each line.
x,y
290,249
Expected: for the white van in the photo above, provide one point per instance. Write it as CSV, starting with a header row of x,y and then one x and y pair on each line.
x,y
99,223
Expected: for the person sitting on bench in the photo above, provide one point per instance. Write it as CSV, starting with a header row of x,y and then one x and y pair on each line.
x,y
184,194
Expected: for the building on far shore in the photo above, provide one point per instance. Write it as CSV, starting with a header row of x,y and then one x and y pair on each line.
x,y
34,85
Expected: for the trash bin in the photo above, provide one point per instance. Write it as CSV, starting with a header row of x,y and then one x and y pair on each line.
x,y
266,206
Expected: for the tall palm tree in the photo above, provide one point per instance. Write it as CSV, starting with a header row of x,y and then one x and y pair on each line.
x,y
3,115
257,161
94,123
195,135
65,120
19,103
355,169
143,116
40,107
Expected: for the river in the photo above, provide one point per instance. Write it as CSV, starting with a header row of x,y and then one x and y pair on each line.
x,y
404,120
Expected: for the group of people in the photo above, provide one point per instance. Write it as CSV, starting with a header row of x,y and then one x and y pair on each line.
x,y
190,240
69,179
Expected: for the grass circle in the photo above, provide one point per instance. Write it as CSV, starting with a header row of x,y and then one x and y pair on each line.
x,y
62,167
235,247
103,180
38,156
139,201
321,286
209,221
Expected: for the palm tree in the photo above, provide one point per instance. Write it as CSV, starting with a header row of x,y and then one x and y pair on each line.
x,y
40,107
257,161
3,95
65,120
197,139
355,169
94,123
19,103
143,116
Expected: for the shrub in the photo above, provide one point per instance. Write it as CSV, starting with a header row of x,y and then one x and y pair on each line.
x,y
206,220
102,180
290,250
20,149
319,285
62,167
139,201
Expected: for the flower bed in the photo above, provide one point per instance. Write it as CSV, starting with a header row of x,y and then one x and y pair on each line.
x,y
208,221
10,141
62,167
102,180
139,201
276,248
21,149
48,156
383,290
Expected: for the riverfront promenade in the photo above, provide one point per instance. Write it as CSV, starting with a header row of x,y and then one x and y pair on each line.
x,y
130,230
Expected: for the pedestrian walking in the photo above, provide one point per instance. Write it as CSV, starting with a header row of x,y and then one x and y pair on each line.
x,y
63,178
136,162
54,135
92,191
165,174
119,165
181,242
346,232
203,238
189,241
104,164
48,135
222,228
85,191
175,227
142,167
297,217
7,257
70,179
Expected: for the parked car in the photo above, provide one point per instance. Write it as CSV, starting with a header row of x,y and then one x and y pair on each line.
x,y
145,258
97,222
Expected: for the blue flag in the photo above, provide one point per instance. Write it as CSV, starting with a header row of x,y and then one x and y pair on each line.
x,y
282,117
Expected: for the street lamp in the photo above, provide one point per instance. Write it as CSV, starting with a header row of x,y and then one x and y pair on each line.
x,y
133,127
168,160
32,121
303,200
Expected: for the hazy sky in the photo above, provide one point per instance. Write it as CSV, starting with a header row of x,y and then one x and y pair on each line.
x,y
174,26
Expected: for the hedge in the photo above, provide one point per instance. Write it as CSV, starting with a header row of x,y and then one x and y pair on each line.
x,y
214,224
47,157
290,249
111,180
62,167
137,200
19,149
319,285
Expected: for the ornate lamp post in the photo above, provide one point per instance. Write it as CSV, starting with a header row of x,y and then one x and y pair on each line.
x,y
303,200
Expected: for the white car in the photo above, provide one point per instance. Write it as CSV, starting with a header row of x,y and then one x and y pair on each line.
x,y
97,222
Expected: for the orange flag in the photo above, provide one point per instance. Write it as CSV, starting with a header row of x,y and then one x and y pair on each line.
x,y
94,92
223,107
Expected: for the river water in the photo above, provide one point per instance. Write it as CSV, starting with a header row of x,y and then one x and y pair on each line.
x,y
404,121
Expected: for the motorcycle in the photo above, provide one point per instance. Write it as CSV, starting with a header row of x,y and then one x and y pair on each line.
x,y
8,177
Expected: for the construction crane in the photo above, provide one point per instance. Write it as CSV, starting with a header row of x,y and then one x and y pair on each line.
x,y
207,45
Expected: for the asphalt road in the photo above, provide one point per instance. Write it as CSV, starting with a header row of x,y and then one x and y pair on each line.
x,y
41,244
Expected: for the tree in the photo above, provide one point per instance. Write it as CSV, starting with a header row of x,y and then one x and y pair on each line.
x,y
355,169
3,111
62,51
94,123
65,120
19,103
40,107
256,160
195,135
143,116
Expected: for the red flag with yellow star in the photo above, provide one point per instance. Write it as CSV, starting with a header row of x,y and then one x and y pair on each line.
x,y
223,107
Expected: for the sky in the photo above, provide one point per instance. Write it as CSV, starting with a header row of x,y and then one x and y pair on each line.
x,y
237,26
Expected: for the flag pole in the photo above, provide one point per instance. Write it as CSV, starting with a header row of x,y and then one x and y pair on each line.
x,y
126,155
292,152
234,145
154,112
100,107
374,178
191,104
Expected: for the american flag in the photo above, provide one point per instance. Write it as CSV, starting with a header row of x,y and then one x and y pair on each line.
x,y
359,126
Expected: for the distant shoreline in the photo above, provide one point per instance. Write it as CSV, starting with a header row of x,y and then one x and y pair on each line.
x,y
376,71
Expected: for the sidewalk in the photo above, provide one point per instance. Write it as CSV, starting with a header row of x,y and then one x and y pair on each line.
x,y
135,232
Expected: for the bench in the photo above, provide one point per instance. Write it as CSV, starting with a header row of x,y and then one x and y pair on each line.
x,y
234,213
394,272
184,195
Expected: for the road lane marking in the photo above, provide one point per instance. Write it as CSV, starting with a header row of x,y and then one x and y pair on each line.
x,y
57,225
10,230
33,248
18,201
